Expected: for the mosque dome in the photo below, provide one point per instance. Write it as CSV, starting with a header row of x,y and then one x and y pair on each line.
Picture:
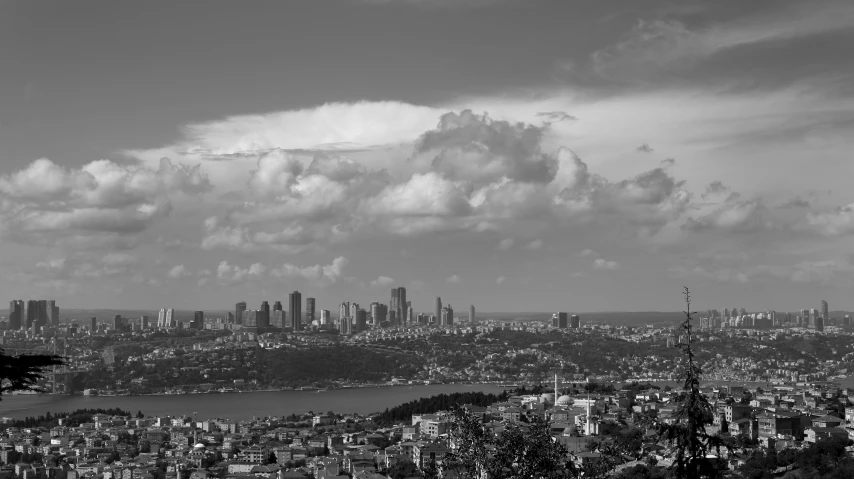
x,y
564,401
199,446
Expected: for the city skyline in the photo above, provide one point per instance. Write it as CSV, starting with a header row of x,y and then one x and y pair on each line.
x,y
534,156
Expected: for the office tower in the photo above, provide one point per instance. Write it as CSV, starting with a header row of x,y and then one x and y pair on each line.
x,y
32,313
375,311
239,308
392,317
813,315
309,310
472,319
295,309
726,312
278,318
846,320
161,319
394,304
229,317
439,309
118,323
574,321
198,320
264,317
825,312
742,312
324,317
42,313
93,324
143,322
819,323
16,314
447,316
170,318
344,325
410,314
250,318
277,306
52,313
361,320
559,320
401,305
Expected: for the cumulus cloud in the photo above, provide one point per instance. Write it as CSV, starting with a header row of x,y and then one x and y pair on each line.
x,y
604,264
645,148
500,280
794,203
836,222
179,271
588,253
99,201
85,266
231,274
319,274
733,215
534,245
454,279
382,281
505,244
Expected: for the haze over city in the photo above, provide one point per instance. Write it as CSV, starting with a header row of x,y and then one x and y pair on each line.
x,y
518,156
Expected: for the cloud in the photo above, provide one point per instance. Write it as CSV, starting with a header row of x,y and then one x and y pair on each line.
x,y
85,266
454,279
322,275
179,271
500,280
588,253
734,215
382,281
100,201
603,264
645,148
550,117
230,274
534,245
505,244
796,202
836,222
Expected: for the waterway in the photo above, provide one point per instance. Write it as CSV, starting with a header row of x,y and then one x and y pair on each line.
x,y
240,406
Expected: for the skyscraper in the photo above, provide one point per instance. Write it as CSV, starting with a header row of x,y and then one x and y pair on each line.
x,y
198,320
814,314
324,317
447,315
344,310
161,319
143,322
239,308
395,301
574,321
472,319
439,310
264,320
32,313
170,318
93,324
52,313
361,320
402,305
277,306
309,310
825,313
559,320
16,314
295,309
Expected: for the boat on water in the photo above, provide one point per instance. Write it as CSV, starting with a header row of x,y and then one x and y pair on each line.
x,y
322,390
228,390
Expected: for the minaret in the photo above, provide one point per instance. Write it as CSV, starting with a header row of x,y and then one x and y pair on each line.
x,y
588,415
556,393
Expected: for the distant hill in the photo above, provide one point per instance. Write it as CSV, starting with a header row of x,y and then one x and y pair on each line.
x,y
615,318
103,315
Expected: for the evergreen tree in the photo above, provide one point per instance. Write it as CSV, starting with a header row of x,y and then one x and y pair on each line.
x,y
22,373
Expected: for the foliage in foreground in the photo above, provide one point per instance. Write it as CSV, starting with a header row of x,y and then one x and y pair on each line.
x,y
432,404
72,419
22,373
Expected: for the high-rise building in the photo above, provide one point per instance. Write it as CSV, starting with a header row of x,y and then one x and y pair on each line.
x,y
439,310
32,313
143,322
574,321
239,308
93,324
825,312
814,314
345,325
278,318
52,313
264,319
395,301
472,319
169,321
16,314
118,323
402,305
295,309
559,320
447,316
324,317
361,320
819,323
410,314
309,310
198,321
277,306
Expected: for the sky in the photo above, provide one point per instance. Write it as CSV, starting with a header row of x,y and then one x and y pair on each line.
x,y
518,155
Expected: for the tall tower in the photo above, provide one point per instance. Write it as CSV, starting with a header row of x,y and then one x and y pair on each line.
x,y
16,314
170,318
401,305
309,310
438,310
161,319
472,319
295,309
239,308
264,320
395,302
825,313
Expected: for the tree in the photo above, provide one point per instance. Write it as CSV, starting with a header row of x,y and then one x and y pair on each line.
x,y
689,442
402,470
22,373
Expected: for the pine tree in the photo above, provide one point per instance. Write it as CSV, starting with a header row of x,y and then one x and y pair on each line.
x,y
689,442
22,373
